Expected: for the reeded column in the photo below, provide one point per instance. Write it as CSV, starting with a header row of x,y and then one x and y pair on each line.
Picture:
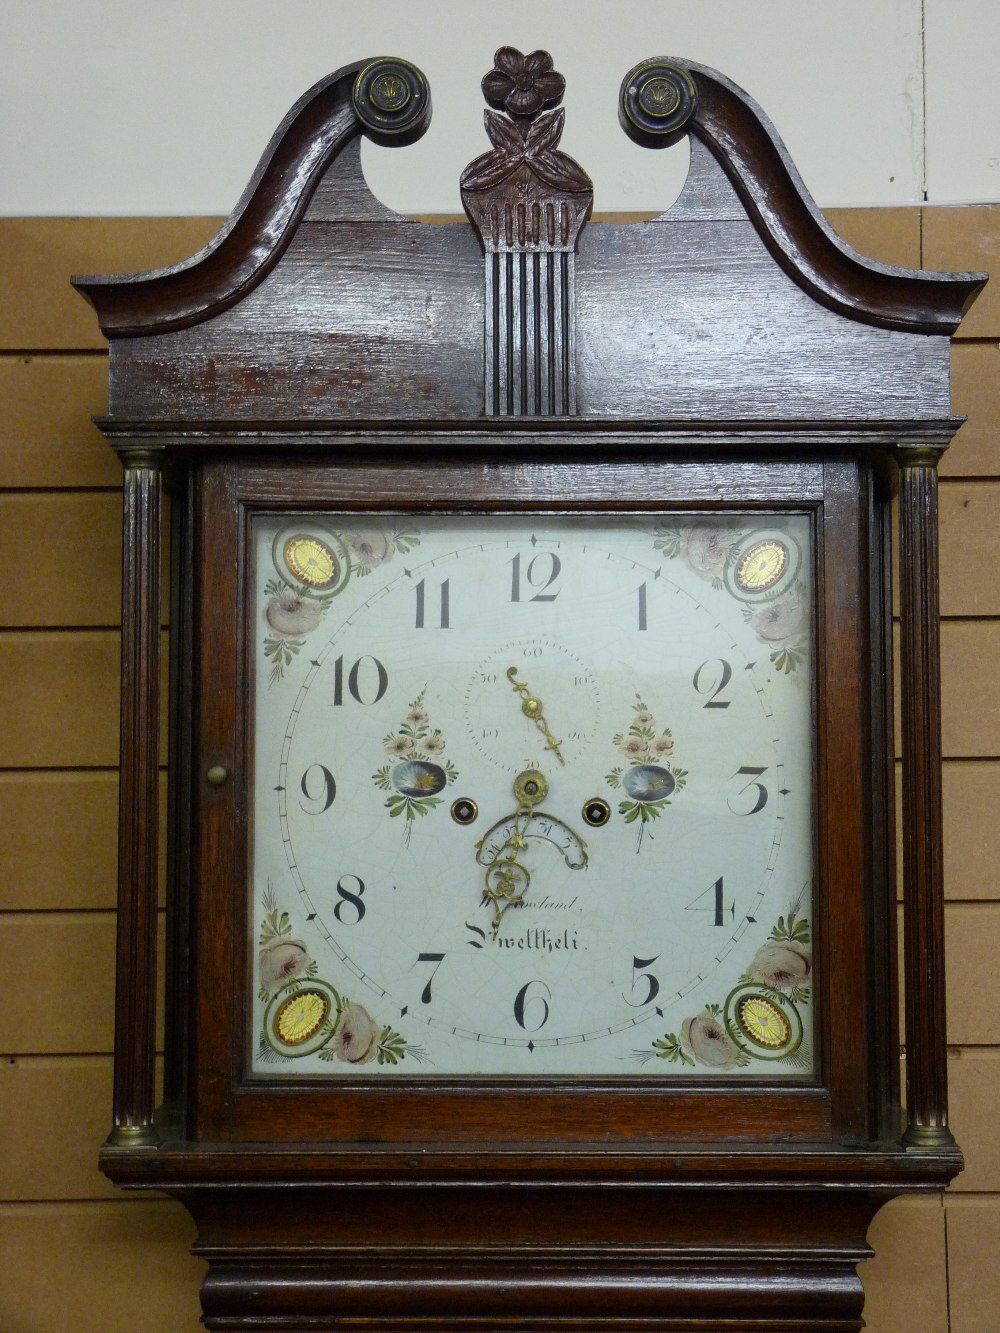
x,y
923,876
138,808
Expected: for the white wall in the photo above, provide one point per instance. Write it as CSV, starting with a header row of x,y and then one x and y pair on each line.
x,y
164,106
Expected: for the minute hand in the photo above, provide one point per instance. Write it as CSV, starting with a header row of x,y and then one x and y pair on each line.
x,y
531,706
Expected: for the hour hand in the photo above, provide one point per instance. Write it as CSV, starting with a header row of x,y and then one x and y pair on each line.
x,y
531,707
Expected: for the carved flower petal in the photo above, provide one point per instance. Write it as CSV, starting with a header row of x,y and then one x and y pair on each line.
x,y
497,86
524,102
538,62
550,87
509,60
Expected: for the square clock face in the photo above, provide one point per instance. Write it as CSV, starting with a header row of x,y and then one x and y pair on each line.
x,y
532,795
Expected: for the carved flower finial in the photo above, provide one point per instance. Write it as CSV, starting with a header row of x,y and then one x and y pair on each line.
x,y
522,85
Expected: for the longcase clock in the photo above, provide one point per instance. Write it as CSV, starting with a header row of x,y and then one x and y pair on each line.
x,y
530,952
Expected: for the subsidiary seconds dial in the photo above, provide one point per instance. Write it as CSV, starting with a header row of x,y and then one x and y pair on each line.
x,y
494,711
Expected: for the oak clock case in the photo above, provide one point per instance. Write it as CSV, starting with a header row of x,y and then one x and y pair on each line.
x,y
531,882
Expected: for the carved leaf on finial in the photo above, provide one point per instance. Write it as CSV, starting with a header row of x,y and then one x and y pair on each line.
x,y
515,144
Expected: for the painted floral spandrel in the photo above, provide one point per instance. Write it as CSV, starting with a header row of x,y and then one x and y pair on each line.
x,y
782,626
780,623
650,778
283,963
292,613
781,967
349,1034
705,548
418,773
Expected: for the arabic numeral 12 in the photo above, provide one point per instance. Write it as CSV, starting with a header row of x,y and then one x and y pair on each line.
x,y
541,572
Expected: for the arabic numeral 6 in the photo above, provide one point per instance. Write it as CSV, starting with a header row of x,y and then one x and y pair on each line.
x,y
531,1007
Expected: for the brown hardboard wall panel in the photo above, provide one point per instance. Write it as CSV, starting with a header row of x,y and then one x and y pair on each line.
x,y
975,394
99,1268
59,840
909,1237
970,526
971,842
973,1232
972,966
47,437
109,1250
68,1009
39,310
969,514
970,689
35,1093
890,235
64,712
967,239
971,829
78,583
974,1088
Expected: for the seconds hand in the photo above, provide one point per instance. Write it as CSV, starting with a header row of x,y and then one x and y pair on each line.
x,y
531,706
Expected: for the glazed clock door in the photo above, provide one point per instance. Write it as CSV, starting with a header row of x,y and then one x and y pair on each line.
x,y
527,800
532,795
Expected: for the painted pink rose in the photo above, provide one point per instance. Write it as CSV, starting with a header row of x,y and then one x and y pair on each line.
x,y
705,548
708,1041
369,547
291,616
780,964
356,1038
780,622
281,961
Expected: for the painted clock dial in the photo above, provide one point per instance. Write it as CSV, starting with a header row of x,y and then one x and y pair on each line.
x,y
532,795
